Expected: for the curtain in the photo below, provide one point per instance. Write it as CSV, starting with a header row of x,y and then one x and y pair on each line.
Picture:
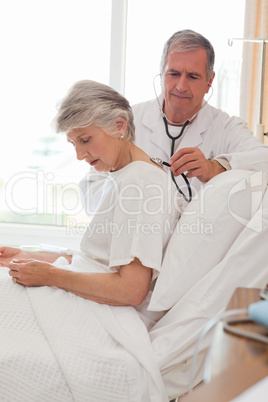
x,y
256,26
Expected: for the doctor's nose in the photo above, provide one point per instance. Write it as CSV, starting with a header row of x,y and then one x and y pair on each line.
x,y
181,84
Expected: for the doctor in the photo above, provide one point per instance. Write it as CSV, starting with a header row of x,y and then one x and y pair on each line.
x,y
212,141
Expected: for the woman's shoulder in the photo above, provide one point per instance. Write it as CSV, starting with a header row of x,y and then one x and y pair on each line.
x,y
144,176
142,169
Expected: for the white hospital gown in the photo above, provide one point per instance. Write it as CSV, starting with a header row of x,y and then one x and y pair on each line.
x,y
135,217
55,345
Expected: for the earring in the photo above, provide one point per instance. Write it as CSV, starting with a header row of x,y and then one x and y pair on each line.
x,y
122,136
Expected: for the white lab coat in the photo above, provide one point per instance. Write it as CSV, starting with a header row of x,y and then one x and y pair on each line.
x,y
213,131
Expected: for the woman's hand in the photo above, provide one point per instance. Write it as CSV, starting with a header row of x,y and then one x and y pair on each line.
x,y
30,272
7,254
127,287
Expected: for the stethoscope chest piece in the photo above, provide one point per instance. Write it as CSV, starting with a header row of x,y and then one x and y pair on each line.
x,y
161,163
157,161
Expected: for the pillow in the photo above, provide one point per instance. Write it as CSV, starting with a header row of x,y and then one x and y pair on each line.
x,y
205,232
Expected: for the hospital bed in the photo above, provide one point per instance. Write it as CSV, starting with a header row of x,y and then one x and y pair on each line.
x,y
66,348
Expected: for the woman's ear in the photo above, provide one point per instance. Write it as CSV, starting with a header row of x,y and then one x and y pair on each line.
x,y
121,126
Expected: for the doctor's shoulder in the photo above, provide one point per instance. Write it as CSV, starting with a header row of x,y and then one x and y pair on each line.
x,y
225,121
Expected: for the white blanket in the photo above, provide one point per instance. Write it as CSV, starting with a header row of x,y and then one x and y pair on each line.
x,y
245,264
56,346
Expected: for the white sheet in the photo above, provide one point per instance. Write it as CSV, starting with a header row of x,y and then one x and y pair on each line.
x,y
57,346
209,226
175,335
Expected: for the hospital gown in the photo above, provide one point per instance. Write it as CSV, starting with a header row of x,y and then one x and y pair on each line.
x,y
55,345
134,217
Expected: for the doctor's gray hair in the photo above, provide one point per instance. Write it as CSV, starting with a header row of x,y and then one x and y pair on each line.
x,y
90,103
185,41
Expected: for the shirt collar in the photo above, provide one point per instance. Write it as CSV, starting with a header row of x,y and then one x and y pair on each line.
x,y
193,134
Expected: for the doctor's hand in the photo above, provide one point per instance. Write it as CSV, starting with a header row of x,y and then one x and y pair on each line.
x,y
30,272
193,161
7,254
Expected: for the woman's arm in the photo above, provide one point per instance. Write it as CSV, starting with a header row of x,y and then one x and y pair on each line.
x,y
7,254
128,286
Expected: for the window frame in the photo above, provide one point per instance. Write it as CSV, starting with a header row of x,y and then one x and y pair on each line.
x,y
17,234
14,234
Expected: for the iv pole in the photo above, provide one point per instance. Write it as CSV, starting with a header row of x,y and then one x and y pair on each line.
x,y
259,132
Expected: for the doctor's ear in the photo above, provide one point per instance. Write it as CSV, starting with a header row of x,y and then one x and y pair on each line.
x,y
211,79
210,85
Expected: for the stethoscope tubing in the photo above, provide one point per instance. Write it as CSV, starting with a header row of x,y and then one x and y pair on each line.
x,y
173,139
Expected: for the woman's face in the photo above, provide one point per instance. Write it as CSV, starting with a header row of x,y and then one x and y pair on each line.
x,y
101,150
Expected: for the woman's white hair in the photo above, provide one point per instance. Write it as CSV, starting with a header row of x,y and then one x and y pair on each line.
x,y
90,103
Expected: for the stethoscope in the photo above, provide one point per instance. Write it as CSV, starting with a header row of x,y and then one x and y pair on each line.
x,y
159,161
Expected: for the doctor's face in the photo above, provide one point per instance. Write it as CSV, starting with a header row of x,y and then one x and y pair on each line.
x,y
184,84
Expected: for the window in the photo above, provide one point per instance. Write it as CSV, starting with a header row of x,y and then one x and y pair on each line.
x,y
152,22
46,47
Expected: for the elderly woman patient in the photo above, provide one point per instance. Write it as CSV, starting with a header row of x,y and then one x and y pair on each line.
x,y
53,305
